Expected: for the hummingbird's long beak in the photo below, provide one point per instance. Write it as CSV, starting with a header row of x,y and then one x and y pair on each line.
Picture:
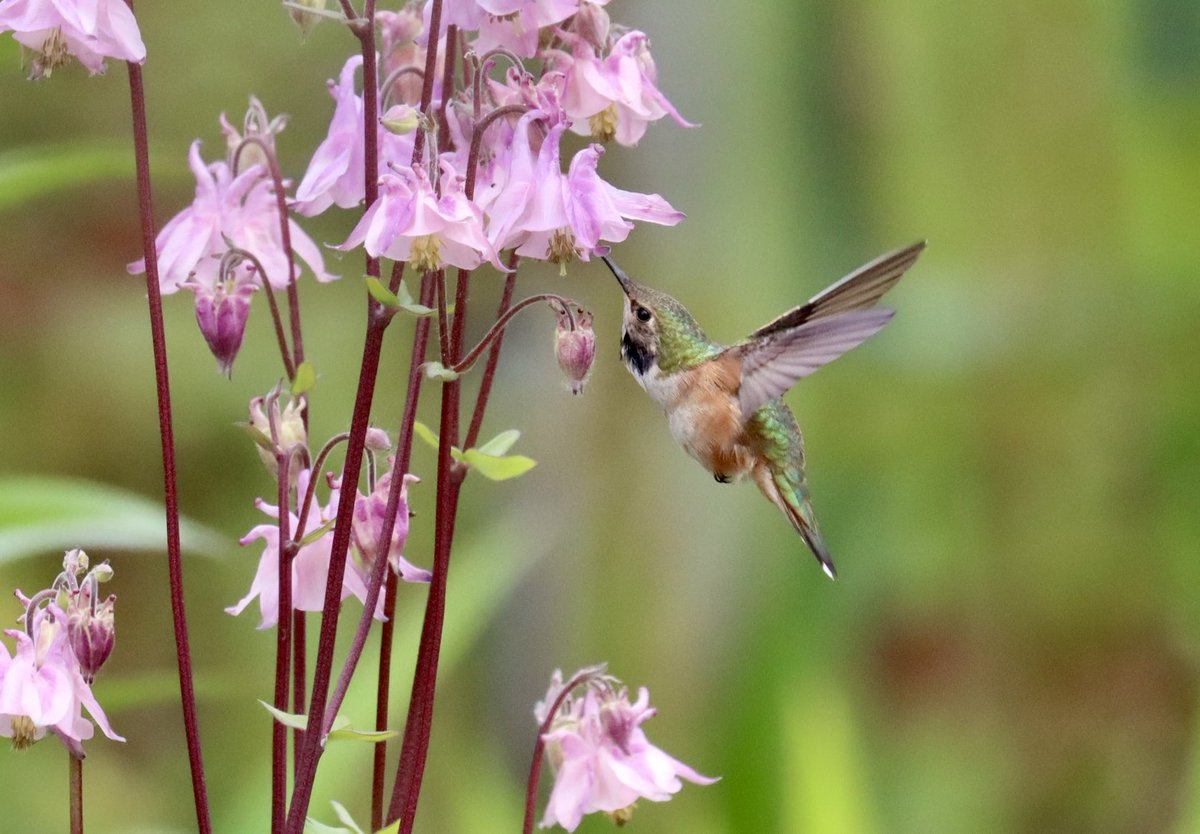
x,y
625,281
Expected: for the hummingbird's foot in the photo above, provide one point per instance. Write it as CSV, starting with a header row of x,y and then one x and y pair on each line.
x,y
721,478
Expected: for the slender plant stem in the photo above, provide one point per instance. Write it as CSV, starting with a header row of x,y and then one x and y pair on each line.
x,y
497,329
299,691
187,694
415,746
435,28
489,370
447,83
285,238
377,321
403,458
283,639
75,789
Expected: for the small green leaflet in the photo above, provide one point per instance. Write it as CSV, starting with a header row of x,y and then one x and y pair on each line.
x,y
340,731
491,459
305,379
399,300
348,825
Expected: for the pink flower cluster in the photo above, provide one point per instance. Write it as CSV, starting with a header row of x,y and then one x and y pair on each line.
x,y
87,30
469,197
234,209
66,634
601,757
310,566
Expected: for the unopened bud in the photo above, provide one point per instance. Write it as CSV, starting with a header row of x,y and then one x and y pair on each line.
x,y
91,633
221,312
377,439
285,425
305,21
75,561
575,347
401,119
103,571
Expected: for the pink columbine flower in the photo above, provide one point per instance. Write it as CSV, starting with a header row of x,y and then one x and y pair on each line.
x,y
601,757
335,173
410,222
42,688
369,511
88,30
557,217
614,97
239,208
310,567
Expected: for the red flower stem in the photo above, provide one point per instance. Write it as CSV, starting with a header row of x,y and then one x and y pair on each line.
x,y
435,27
348,10
489,370
284,354
283,648
415,746
299,692
75,792
447,86
439,282
535,764
497,328
183,656
377,321
403,458
285,233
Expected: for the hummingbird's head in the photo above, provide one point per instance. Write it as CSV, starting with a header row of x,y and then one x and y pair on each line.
x,y
656,330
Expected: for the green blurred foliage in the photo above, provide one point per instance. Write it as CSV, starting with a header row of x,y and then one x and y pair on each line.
x,y
1007,474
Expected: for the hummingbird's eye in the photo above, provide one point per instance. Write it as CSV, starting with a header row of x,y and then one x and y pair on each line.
x,y
642,314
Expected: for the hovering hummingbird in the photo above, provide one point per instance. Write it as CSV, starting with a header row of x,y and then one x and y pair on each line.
x,y
723,403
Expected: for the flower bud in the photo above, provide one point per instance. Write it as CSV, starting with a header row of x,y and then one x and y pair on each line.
x,y
289,431
91,633
221,312
575,347
377,439
305,21
401,119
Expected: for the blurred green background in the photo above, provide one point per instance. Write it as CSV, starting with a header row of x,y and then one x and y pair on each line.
x,y
1007,475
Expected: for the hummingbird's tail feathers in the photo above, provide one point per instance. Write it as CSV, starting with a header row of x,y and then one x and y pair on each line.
x,y
771,364
792,499
857,291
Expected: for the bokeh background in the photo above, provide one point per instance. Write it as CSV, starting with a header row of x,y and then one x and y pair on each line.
x,y
1008,475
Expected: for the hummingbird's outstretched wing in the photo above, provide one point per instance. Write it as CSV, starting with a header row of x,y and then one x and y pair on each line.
x,y
771,364
858,290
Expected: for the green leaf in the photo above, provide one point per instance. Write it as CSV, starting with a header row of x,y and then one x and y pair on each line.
x,y
260,438
381,293
306,378
498,467
394,828
501,443
350,734
312,826
344,816
409,304
436,370
41,514
425,433
288,719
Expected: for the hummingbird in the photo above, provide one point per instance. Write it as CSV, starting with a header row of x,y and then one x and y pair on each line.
x,y
723,403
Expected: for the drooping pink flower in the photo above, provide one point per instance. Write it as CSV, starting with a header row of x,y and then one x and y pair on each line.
x,y
239,208
410,222
551,216
310,567
88,30
602,758
335,173
42,688
367,527
616,96
575,347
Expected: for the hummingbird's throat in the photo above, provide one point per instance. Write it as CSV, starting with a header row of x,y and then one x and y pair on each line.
x,y
636,356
